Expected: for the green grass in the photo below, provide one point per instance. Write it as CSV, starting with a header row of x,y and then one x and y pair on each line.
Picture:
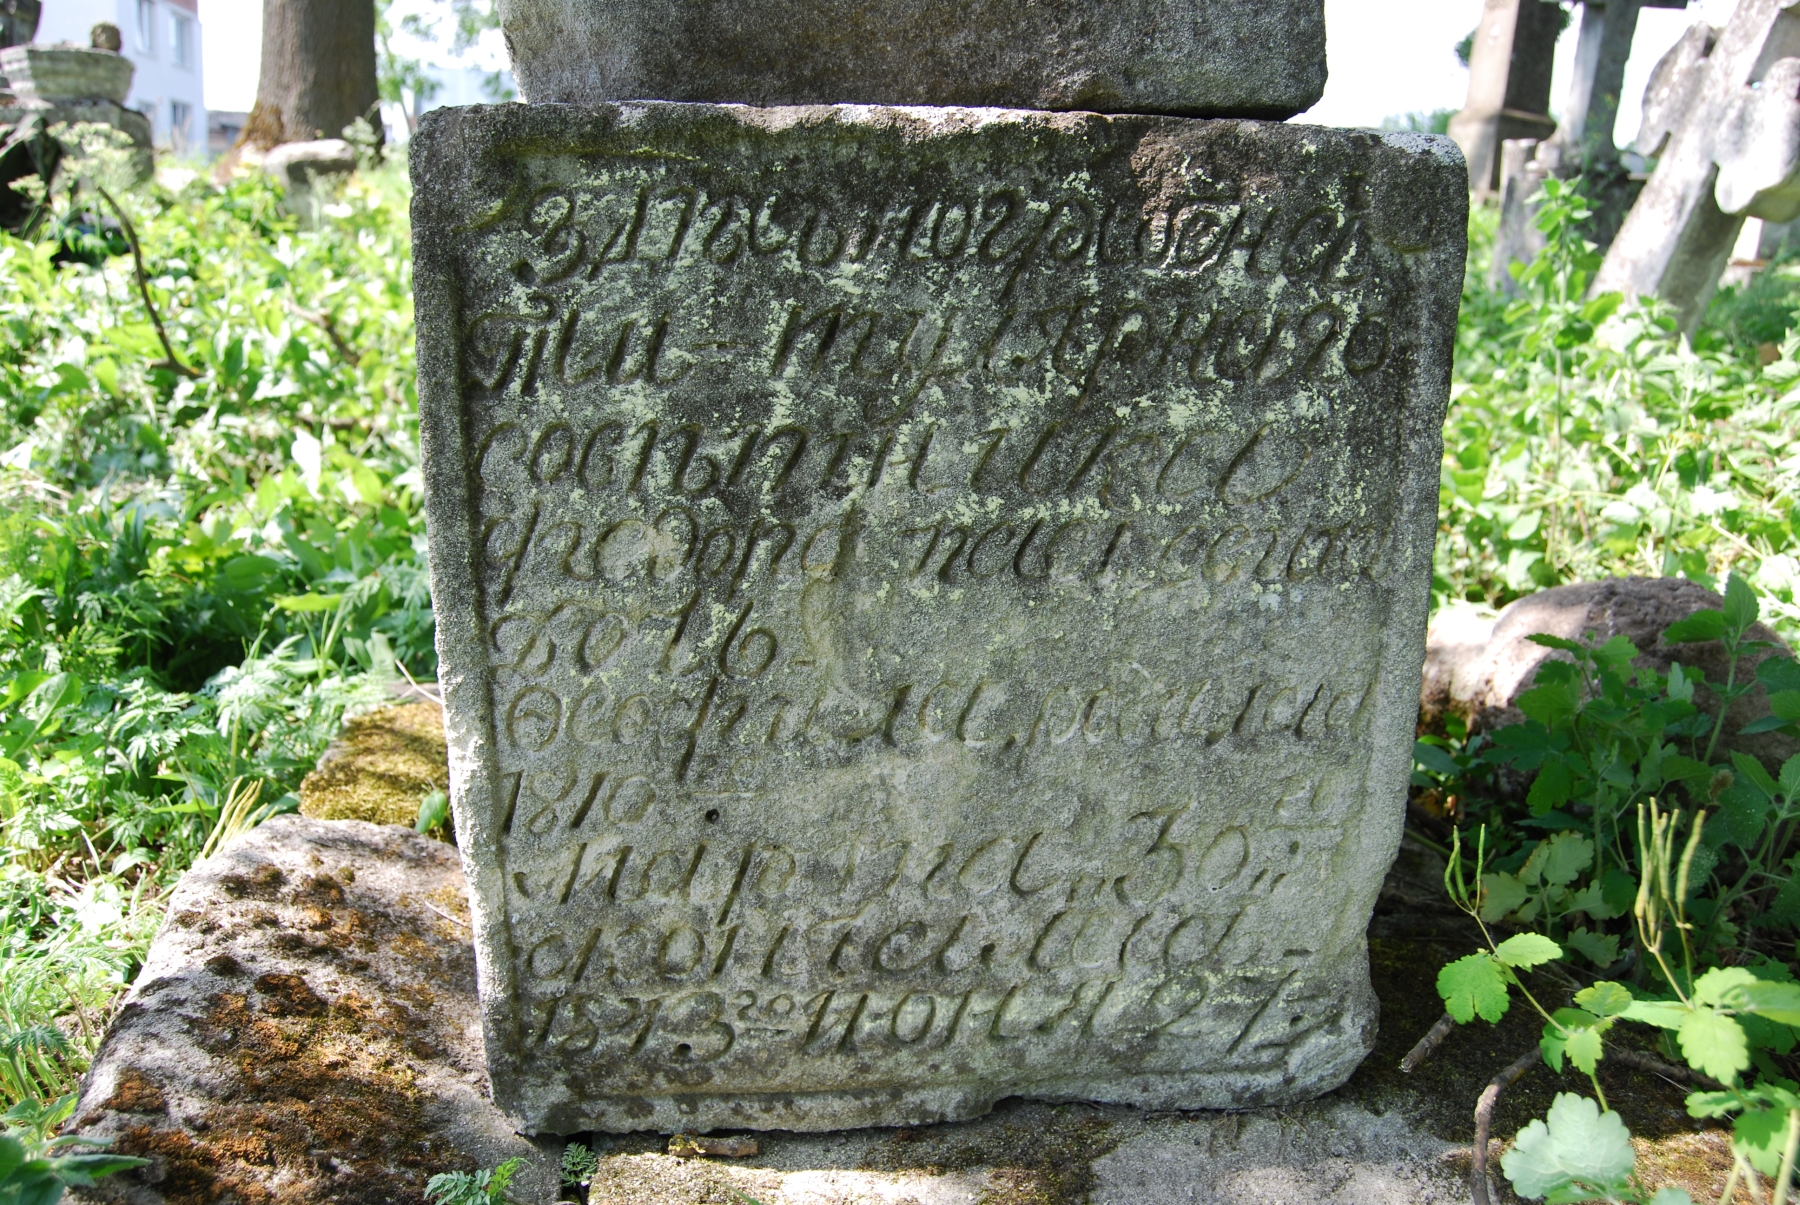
x,y
1584,447
204,563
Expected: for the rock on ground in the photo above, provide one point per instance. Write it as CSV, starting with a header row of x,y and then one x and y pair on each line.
x,y
305,1029
380,766
1477,668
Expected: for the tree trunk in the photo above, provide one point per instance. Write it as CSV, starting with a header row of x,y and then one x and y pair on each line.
x,y
318,71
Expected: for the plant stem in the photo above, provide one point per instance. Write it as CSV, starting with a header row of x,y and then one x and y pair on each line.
x,y
1484,1120
1786,1176
1731,660
143,284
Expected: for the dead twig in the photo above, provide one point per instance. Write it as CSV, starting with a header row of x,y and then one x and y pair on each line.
x,y
1655,1066
172,362
1484,1120
453,920
328,324
1434,1037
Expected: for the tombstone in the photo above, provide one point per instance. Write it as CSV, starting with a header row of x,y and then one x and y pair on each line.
x,y
931,600
1721,112
1601,50
1509,84
1518,240
51,86
18,21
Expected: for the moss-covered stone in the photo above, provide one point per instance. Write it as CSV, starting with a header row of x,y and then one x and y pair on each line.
x,y
304,1030
379,767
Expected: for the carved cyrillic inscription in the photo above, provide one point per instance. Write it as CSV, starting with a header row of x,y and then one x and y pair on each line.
x,y
931,600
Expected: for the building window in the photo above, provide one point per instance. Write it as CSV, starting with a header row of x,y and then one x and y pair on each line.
x,y
181,41
181,125
146,26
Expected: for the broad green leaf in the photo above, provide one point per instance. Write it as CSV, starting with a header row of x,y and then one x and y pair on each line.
x,y
1601,308
1617,651
1569,855
1525,526
1701,625
1751,769
1785,704
1553,787
1575,1144
1713,1104
1717,985
1500,894
1740,604
1605,998
1671,1196
1681,684
1779,673
12,1154
1664,1014
1572,1031
1758,1135
1592,900
1557,642
308,602
1474,985
1434,759
1601,950
1713,1043
1584,1050
1525,950
1779,1002
1790,775
1550,704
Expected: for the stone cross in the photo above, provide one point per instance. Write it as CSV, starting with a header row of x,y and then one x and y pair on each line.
x,y
1509,84
1601,50
1721,115
1582,145
931,600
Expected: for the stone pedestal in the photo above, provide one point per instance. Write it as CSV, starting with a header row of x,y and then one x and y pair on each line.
x,y
1191,57
1509,84
931,601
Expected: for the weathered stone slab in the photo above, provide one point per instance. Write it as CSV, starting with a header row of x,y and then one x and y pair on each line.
x,y
305,1030
1194,58
931,602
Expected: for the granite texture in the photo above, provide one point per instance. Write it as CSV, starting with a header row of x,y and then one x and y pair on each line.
x,y
930,602
1195,58
304,1030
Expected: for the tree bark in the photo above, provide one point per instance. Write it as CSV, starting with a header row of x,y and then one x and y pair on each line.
x,y
318,71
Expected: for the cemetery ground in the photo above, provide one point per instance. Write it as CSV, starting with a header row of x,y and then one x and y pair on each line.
x,y
212,552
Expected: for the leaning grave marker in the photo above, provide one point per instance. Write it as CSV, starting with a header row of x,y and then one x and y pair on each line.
x,y
931,601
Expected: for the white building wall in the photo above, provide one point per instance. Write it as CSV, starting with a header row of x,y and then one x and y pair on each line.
x,y
167,87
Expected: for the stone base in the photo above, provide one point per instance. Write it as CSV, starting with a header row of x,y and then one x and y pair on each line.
x,y
305,1029
1329,1153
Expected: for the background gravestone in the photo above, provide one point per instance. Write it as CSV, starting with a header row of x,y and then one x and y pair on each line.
x,y
1509,83
930,601
1722,117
